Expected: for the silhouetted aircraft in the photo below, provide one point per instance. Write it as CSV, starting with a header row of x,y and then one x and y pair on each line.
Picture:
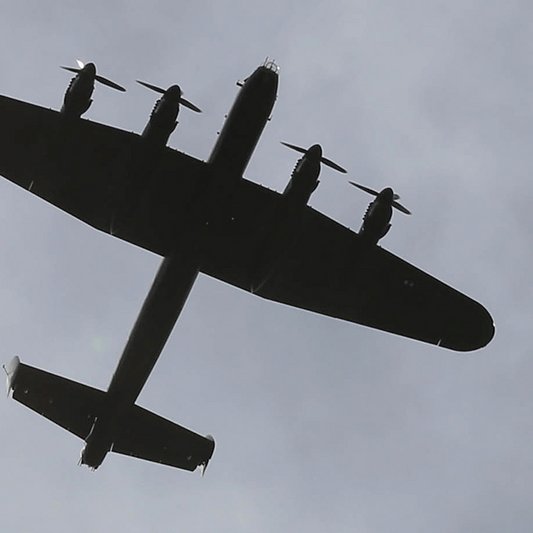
x,y
205,217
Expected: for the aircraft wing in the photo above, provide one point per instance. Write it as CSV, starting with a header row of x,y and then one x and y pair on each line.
x,y
326,268
99,174
103,176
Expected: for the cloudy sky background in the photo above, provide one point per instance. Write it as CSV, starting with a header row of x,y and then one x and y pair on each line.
x,y
320,424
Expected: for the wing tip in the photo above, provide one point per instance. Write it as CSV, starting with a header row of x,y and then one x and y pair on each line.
x,y
479,332
11,369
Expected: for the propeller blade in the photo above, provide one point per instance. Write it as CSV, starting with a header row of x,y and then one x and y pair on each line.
x,y
401,208
71,69
150,86
81,66
395,197
363,188
98,78
294,147
324,160
190,105
110,83
160,90
331,164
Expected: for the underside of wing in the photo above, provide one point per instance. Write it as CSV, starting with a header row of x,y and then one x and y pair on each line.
x,y
103,176
151,437
109,179
317,264
69,404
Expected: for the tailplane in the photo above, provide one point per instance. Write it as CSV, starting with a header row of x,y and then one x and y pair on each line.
x,y
76,408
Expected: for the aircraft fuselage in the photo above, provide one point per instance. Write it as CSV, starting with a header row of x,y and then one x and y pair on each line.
x,y
177,273
245,121
152,328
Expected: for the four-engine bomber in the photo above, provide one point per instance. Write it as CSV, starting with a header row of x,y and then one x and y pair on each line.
x,y
205,217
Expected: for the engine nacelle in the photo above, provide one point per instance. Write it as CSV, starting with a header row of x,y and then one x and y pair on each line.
x,y
164,116
77,99
304,178
162,122
376,222
303,182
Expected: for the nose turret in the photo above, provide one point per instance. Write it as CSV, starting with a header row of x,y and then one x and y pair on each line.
x,y
265,79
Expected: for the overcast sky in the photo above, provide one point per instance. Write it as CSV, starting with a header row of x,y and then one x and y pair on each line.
x,y
320,425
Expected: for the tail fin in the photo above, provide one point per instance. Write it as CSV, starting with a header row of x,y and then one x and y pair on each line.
x,y
74,407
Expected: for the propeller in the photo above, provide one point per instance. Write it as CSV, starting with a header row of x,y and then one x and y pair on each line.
x,y
182,100
91,68
395,197
323,160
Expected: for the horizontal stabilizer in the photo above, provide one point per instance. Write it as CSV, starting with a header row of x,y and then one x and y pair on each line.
x,y
148,436
75,407
71,405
